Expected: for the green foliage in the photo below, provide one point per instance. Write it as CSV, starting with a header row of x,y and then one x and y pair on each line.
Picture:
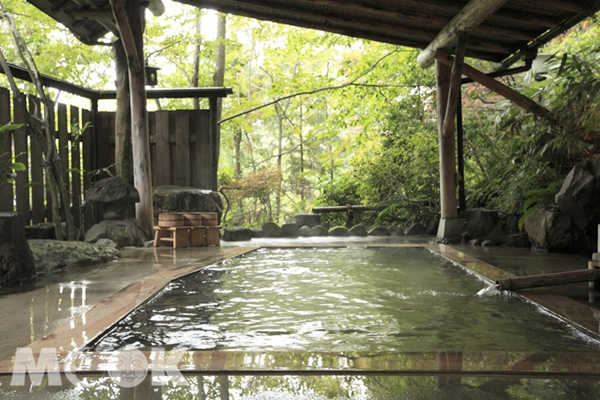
x,y
398,169
539,198
348,121
8,165
514,160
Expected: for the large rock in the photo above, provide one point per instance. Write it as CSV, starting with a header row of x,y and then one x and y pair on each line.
x,y
305,231
579,194
109,190
318,230
116,197
339,231
358,230
257,233
416,229
237,234
379,231
290,230
124,233
51,255
480,222
551,229
310,220
16,259
171,198
271,230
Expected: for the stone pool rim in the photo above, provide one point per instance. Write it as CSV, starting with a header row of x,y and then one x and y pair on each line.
x,y
68,339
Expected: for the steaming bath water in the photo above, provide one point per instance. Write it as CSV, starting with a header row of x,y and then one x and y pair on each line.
x,y
330,300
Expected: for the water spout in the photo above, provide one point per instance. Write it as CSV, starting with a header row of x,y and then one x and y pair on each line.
x,y
490,291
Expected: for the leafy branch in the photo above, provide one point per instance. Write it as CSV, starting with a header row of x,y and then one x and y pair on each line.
x,y
310,92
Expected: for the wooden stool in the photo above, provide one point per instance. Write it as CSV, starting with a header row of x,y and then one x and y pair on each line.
x,y
178,235
213,236
197,236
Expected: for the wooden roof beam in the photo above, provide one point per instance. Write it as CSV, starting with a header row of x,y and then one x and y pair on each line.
x,y
349,29
126,35
492,84
554,4
471,16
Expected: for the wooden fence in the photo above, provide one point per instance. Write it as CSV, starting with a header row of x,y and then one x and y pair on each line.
x,y
180,148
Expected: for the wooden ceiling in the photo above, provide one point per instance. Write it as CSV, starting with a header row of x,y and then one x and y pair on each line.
x,y
504,35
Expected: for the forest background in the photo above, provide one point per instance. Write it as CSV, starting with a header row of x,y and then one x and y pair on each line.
x,y
323,119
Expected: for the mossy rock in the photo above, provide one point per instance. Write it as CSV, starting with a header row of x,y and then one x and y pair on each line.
x,y
50,255
358,230
339,231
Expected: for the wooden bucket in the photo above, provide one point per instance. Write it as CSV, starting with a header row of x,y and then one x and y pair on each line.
x,y
209,219
192,219
167,220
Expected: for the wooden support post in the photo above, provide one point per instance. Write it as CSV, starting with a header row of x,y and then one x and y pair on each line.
x,y
460,157
214,141
594,286
454,91
131,28
449,213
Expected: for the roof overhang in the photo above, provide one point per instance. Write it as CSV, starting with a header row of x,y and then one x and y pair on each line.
x,y
501,34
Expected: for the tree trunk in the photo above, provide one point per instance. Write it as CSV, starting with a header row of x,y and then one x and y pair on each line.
x,y
140,142
44,134
197,51
219,76
123,150
237,140
280,117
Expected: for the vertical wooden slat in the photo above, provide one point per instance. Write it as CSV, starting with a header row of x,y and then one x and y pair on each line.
x,y
194,118
103,130
63,143
89,164
21,153
36,159
6,153
48,210
203,152
152,144
111,142
162,162
76,167
182,152
214,143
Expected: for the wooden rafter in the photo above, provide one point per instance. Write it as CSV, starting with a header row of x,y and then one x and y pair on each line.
x,y
492,84
454,94
471,16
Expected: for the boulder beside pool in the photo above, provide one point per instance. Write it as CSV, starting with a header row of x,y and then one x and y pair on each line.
x,y
271,230
51,255
290,230
171,198
339,231
237,234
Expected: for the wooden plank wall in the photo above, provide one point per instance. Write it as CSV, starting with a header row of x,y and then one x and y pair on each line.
x,y
180,151
179,146
6,153
29,196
